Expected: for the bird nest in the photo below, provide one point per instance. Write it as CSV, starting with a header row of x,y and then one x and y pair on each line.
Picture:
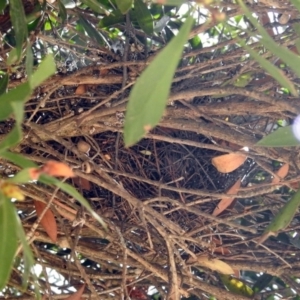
x,y
157,197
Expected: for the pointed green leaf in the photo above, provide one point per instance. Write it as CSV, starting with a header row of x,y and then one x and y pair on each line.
x,y
8,239
17,159
62,11
92,32
149,96
114,18
19,94
72,192
283,53
29,61
96,6
272,70
124,5
282,137
46,68
3,84
18,21
285,216
12,57
3,4
143,16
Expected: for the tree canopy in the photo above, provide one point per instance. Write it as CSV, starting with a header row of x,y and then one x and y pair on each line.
x,y
149,149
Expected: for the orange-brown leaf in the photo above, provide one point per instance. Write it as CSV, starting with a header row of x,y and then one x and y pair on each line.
x,y
81,89
228,162
55,168
48,221
34,173
77,295
281,173
225,202
83,183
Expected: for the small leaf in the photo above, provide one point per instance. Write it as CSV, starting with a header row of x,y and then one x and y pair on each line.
x,y
72,192
124,5
282,137
281,173
55,168
8,237
77,295
3,84
46,68
83,183
92,32
276,73
149,95
143,16
29,61
48,221
12,57
283,53
228,162
17,159
23,176
62,11
19,94
115,18
213,264
81,89
18,20
225,202
236,286
96,6
283,218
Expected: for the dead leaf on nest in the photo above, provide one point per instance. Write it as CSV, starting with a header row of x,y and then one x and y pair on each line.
x,y
228,162
225,202
81,89
281,173
212,263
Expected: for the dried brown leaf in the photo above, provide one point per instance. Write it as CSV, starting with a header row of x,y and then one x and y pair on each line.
x,y
77,295
225,202
228,162
48,221
213,264
281,173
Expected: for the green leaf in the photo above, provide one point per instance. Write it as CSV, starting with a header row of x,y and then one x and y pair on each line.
x,y
62,11
171,2
96,6
12,57
296,3
3,84
282,137
124,5
18,21
46,68
19,94
72,192
15,135
149,96
276,73
143,16
29,60
286,55
92,32
18,159
3,4
115,17
8,238
284,217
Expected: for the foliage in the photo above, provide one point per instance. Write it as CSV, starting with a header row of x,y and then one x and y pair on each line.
x,y
193,84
